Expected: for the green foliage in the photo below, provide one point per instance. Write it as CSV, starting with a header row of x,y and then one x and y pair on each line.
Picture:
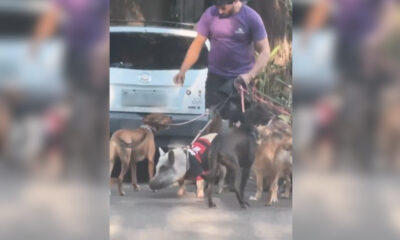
x,y
275,81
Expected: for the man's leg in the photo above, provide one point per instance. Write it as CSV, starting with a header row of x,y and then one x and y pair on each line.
x,y
213,83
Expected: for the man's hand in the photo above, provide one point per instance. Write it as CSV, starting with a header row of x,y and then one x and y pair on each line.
x,y
179,78
240,82
247,78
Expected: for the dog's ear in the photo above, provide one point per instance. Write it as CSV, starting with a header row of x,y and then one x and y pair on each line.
x,y
171,157
161,151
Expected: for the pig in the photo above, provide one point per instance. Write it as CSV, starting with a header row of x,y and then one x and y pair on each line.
x,y
181,164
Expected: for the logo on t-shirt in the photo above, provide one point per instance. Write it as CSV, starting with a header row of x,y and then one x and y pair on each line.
x,y
239,31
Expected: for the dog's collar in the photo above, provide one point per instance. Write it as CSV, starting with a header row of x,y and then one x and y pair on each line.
x,y
148,127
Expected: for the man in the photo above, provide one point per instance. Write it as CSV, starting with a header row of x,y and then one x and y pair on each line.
x,y
356,24
84,27
235,31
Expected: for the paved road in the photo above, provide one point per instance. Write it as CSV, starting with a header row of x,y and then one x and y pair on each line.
x,y
162,215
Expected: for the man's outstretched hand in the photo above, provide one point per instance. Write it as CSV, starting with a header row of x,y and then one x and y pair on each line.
x,y
179,78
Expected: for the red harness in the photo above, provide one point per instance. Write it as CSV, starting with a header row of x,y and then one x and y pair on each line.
x,y
198,148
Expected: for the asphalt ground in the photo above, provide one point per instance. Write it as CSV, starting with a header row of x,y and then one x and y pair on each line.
x,y
163,215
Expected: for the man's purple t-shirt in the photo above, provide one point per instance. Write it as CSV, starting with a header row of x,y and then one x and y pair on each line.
x,y
355,19
86,22
232,40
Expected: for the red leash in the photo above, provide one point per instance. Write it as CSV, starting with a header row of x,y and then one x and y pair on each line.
x,y
279,109
242,98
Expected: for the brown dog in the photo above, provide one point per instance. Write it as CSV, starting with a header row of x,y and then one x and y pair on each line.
x,y
273,159
133,146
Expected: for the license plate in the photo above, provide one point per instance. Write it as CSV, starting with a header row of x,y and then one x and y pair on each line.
x,y
143,98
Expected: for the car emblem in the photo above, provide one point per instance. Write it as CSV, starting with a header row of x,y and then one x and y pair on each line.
x,y
144,78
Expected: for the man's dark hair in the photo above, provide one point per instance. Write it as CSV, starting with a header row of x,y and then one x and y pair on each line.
x,y
223,2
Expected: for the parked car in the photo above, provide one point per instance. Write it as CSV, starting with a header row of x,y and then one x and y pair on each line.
x,y
38,78
143,62
313,59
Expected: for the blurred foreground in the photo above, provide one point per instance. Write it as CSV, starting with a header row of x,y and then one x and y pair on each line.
x,y
347,119
53,119
54,111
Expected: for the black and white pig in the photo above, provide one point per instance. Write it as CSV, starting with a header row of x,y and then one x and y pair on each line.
x,y
181,164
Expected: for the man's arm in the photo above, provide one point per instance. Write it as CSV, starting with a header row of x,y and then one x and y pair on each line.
x,y
319,14
191,58
263,49
46,26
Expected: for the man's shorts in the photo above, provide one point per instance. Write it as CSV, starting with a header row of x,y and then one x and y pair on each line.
x,y
213,83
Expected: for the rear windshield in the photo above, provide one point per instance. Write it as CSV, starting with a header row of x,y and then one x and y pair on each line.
x,y
151,51
16,24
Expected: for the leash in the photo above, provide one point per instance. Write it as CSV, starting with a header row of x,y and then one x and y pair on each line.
x,y
187,158
279,109
217,107
190,121
242,98
201,131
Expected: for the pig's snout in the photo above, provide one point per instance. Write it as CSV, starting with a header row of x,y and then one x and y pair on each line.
x,y
155,185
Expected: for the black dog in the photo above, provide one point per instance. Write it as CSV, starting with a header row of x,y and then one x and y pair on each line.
x,y
235,149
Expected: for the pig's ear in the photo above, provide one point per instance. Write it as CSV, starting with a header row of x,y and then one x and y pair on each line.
x,y
171,157
161,151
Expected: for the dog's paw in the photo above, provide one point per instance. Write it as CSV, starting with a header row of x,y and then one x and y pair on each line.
x,y
212,205
200,194
220,190
274,198
245,205
253,198
181,192
136,188
122,194
285,195
271,201
267,204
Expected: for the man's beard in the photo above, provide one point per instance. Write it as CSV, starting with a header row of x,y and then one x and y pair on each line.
x,y
229,14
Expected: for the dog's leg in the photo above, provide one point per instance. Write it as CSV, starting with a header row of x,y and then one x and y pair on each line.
x,y
200,187
273,191
151,168
123,155
209,189
288,186
181,189
260,187
221,179
233,164
243,182
136,187
124,170
113,156
150,158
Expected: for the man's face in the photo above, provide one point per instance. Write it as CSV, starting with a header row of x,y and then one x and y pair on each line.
x,y
225,10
